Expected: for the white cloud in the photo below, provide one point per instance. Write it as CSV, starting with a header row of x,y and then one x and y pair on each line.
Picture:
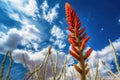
x,y
106,54
15,16
19,9
44,6
61,44
57,32
27,7
28,34
49,14
58,37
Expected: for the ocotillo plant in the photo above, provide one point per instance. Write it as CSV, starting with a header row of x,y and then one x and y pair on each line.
x,y
78,40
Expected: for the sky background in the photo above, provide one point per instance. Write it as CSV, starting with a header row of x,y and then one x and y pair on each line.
x,y
31,26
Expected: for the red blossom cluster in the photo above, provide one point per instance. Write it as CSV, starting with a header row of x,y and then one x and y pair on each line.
x,y
78,39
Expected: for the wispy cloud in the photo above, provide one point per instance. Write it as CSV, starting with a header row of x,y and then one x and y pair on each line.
x,y
27,7
3,26
58,37
48,13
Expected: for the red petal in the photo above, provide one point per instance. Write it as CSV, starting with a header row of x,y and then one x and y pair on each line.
x,y
76,56
82,47
84,43
88,53
86,39
75,50
72,41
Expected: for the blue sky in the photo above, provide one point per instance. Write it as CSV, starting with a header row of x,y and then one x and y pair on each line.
x,y
30,27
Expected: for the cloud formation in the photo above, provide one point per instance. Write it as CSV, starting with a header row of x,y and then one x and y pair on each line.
x,y
49,14
58,37
28,34
26,7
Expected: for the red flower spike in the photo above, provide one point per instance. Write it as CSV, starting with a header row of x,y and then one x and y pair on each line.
x,y
88,53
68,14
81,30
72,41
71,16
75,50
76,56
78,41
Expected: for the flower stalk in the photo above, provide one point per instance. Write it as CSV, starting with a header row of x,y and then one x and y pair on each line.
x,y
78,39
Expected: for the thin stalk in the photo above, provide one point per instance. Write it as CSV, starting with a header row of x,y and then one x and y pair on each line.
x,y
10,66
3,65
56,64
72,75
115,56
92,70
36,75
26,63
45,69
62,70
97,65
53,67
65,72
